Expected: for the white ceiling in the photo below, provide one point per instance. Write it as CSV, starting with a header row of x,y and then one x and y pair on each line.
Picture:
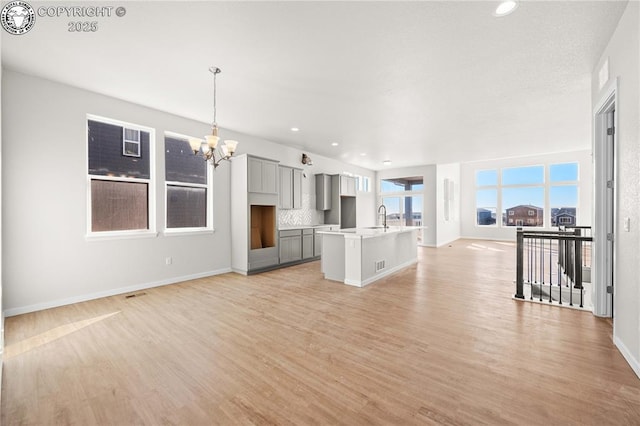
x,y
413,82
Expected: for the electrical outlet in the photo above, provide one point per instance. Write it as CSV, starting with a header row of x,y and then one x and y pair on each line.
x,y
168,261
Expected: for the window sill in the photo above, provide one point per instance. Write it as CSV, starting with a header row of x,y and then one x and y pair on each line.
x,y
180,232
122,235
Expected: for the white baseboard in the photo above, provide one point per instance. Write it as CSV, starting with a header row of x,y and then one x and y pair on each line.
x,y
356,283
240,271
635,365
121,290
427,245
447,242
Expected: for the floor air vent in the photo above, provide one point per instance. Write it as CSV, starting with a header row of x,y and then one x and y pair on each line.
x,y
129,296
379,265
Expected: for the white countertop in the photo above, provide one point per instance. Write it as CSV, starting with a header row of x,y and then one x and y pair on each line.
x,y
290,227
374,231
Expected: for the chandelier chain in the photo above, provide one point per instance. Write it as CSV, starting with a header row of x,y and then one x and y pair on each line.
x,y
214,99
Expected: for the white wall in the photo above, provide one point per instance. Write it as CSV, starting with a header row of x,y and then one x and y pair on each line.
x,y
447,230
469,229
623,52
47,260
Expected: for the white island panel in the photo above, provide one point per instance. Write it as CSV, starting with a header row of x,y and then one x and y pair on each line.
x,y
361,256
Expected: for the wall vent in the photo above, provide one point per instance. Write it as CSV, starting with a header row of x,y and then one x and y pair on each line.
x,y
379,265
129,296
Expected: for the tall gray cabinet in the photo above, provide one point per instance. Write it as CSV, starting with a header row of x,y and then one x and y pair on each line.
x,y
254,213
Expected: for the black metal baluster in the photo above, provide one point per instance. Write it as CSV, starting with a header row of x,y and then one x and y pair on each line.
x,y
578,273
559,274
573,269
529,248
519,263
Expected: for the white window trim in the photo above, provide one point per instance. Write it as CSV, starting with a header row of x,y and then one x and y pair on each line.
x,y
151,195
546,186
209,228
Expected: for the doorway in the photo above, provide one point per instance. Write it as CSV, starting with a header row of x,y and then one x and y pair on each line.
x,y
604,214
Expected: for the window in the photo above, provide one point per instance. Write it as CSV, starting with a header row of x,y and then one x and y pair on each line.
x,y
528,196
187,180
404,199
523,195
362,183
486,197
131,142
563,194
403,211
119,176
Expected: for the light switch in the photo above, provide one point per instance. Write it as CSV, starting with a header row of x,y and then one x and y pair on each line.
x,y
627,224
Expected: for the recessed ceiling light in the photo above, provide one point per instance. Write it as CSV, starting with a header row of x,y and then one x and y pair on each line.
x,y
386,162
505,8
295,129
362,154
334,144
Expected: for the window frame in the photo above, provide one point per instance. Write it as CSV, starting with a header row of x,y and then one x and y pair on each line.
x,y
209,228
150,232
547,185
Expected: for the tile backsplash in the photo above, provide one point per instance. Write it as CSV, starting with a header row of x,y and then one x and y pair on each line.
x,y
307,215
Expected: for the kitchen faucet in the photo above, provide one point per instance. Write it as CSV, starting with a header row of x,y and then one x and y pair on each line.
x,y
384,217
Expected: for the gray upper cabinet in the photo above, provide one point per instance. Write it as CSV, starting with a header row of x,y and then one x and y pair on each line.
x,y
347,186
286,188
290,188
263,176
323,192
297,188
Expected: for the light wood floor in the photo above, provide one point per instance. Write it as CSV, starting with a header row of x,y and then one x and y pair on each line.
x,y
438,343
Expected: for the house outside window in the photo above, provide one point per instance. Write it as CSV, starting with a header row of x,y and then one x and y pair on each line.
x,y
563,193
523,190
119,175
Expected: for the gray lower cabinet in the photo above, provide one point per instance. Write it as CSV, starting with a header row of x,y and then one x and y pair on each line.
x,y
307,243
290,245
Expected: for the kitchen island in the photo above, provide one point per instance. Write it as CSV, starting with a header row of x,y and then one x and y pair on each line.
x,y
360,256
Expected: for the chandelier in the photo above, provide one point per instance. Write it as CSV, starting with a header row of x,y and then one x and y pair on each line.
x,y
208,147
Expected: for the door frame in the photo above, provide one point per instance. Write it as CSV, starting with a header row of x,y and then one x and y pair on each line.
x,y
603,301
